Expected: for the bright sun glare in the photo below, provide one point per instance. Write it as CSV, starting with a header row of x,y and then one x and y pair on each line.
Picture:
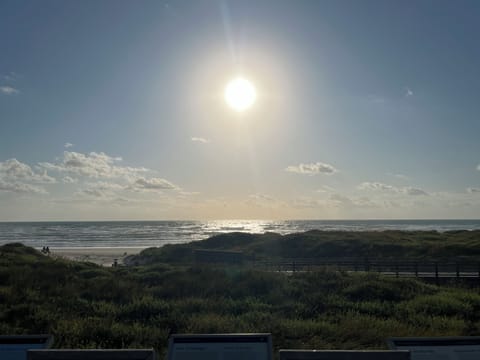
x,y
240,94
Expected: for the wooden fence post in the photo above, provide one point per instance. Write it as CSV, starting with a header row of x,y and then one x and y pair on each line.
x,y
416,269
436,270
457,268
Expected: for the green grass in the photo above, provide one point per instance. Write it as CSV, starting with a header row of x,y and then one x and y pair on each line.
x,y
87,306
385,245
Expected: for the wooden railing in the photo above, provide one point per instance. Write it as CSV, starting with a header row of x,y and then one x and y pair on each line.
x,y
400,268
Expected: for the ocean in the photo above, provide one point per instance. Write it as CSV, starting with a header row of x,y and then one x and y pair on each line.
x,y
158,233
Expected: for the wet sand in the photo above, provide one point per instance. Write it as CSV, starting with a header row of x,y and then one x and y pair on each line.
x,y
98,255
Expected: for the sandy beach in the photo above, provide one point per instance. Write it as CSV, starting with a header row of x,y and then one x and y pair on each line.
x,y
99,255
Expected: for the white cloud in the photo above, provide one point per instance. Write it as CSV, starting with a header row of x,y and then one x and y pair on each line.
x,y
68,145
8,90
408,92
95,193
93,165
478,167
312,169
95,177
18,177
105,186
12,169
378,186
100,189
200,140
152,184
69,180
18,187
187,194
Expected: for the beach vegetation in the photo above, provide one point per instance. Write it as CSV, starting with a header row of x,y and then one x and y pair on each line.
x,y
386,245
88,306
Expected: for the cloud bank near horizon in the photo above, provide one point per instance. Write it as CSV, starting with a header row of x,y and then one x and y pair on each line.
x,y
77,179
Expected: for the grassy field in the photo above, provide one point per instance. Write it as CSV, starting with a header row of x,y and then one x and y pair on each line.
x,y
385,245
88,306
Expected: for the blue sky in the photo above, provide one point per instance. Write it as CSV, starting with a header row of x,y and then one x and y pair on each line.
x,y
115,110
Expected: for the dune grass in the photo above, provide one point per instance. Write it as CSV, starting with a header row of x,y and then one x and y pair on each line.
x,y
88,306
385,245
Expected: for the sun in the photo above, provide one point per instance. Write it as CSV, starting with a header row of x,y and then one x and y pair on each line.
x,y
240,94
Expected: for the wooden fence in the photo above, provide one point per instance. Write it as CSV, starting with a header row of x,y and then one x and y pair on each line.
x,y
400,268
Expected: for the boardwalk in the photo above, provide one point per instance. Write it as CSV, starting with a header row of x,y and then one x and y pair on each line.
x,y
405,268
